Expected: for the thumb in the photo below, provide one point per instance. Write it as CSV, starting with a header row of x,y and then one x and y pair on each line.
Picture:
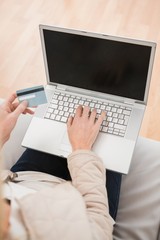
x,y
20,108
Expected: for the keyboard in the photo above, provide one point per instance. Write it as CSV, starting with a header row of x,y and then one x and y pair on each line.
x,y
63,105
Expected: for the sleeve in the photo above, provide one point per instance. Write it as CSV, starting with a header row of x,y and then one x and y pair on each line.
x,y
88,177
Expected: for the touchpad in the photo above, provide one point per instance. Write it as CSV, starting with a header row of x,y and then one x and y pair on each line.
x,y
65,144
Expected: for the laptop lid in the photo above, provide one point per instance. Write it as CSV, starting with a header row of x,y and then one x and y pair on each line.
x,y
100,63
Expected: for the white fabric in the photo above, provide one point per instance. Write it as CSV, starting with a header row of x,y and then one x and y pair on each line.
x,y
17,229
139,207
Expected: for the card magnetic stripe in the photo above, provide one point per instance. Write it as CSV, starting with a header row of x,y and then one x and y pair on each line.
x,y
29,91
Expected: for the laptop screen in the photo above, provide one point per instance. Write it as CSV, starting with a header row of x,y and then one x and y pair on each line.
x,y
97,64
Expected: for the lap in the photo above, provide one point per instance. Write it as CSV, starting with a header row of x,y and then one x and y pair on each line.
x,y
32,160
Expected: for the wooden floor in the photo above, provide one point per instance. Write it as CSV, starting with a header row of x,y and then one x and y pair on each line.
x,y
21,62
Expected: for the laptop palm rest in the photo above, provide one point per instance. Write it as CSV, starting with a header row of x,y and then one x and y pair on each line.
x,y
48,136
45,135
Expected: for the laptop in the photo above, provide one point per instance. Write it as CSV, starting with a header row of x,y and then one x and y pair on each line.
x,y
105,72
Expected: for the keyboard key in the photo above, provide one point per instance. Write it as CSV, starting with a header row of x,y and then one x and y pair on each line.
x,y
60,103
115,115
58,118
104,129
108,108
50,110
75,101
128,108
65,99
102,107
92,104
65,109
99,111
53,116
54,101
61,113
86,104
115,120
81,102
114,109
126,112
119,110
55,106
121,121
60,107
56,111
97,105
64,119
47,115
66,104
109,119
66,114
110,124
60,97
71,105
121,134
120,116
70,100
118,126
110,131
71,110
116,133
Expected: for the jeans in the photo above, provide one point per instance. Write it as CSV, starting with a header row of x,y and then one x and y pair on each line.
x,y
32,160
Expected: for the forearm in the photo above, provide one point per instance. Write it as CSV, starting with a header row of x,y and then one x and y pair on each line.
x,y
88,177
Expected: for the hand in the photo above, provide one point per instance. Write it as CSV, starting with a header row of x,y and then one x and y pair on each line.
x,y
83,129
9,113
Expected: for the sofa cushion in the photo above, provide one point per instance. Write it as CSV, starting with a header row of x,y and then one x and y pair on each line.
x,y
139,207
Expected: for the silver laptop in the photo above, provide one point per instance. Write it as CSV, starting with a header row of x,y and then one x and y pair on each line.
x,y
108,73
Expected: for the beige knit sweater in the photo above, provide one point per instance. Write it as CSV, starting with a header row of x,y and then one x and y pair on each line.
x,y
62,210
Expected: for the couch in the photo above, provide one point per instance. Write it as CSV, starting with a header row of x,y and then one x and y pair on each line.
x,y
139,206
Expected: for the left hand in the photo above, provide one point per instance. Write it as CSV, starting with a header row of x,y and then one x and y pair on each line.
x,y
9,113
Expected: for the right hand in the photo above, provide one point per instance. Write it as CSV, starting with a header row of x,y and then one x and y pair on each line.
x,y
83,129
9,113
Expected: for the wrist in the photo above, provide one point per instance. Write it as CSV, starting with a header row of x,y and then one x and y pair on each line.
x,y
75,148
1,144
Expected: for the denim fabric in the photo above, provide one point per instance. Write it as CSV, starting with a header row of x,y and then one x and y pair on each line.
x,y
32,160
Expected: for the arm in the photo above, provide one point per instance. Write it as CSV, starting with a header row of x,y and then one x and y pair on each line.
x,y
88,172
9,113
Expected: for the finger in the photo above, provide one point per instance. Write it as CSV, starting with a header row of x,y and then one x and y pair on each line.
x,y
93,115
20,108
69,122
15,105
79,111
86,111
100,119
29,111
11,98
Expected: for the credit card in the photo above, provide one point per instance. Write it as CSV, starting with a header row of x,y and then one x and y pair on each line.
x,y
34,96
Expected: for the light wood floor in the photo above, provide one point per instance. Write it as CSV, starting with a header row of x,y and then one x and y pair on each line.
x,y
21,62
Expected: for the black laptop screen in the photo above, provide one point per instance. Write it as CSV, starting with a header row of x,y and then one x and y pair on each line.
x,y
106,66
